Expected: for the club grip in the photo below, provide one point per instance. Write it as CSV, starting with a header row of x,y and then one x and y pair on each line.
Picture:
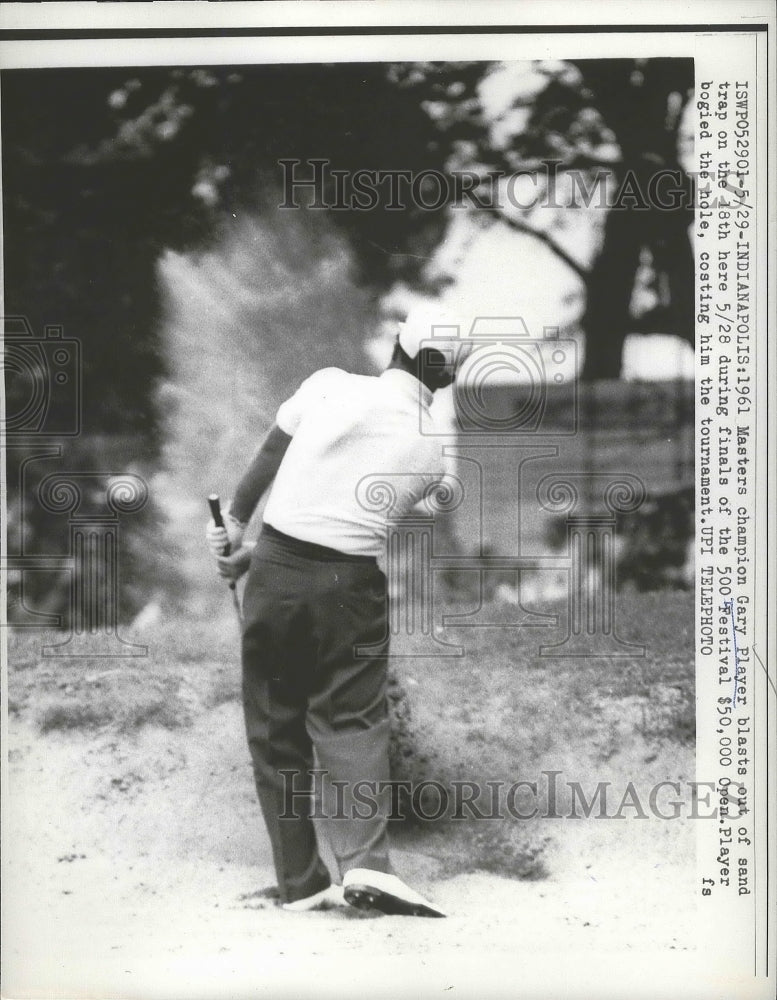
x,y
215,512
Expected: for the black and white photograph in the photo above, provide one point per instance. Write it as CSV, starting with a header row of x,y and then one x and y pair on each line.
x,y
385,555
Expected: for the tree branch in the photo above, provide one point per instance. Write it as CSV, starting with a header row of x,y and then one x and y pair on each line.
x,y
549,242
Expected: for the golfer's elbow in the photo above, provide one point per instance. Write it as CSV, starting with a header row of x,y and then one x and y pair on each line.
x,y
260,473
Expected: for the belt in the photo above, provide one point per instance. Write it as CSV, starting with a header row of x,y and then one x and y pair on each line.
x,y
311,550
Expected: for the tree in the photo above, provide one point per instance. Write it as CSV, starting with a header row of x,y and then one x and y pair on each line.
x,y
611,121
104,169
642,103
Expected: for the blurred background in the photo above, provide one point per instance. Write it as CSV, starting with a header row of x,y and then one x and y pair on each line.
x,y
142,227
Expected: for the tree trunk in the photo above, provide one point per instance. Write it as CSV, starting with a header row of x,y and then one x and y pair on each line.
x,y
607,316
634,100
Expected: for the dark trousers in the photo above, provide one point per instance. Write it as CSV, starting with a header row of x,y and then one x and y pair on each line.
x,y
305,691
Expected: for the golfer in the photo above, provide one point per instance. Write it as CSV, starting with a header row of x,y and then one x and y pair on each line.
x,y
315,591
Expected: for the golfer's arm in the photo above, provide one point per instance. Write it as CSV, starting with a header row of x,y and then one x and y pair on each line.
x,y
259,474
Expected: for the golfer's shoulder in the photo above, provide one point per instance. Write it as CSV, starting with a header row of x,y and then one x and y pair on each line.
x,y
343,386
322,383
325,377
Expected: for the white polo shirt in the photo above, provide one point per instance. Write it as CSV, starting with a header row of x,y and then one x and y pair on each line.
x,y
347,431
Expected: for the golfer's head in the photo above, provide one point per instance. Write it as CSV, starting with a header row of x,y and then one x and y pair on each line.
x,y
430,339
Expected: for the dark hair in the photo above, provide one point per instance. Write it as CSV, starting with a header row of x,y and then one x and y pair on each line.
x,y
420,366
400,356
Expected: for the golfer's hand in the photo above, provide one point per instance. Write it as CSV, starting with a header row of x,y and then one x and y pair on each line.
x,y
233,566
230,535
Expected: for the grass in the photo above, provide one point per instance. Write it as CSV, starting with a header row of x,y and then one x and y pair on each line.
x,y
124,702
190,669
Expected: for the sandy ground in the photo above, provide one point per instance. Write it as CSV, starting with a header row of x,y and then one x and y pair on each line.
x,y
132,868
